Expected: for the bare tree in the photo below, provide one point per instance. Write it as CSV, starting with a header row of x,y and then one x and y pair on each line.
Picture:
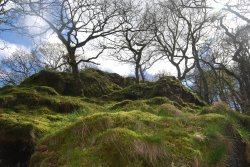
x,y
53,56
19,66
181,37
134,44
3,13
77,23
2,6
173,38
230,53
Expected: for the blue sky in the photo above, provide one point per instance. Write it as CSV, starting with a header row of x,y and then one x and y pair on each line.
x,y
16,38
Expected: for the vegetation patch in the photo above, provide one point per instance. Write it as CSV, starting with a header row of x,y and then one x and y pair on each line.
x,y
150,124
165,87
37,96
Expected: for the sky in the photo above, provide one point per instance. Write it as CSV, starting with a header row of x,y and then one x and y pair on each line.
x,y
11,41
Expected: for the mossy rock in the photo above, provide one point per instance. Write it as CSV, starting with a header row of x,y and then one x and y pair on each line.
x,y
167,87
60,81
157,101
121,104
113,77
96,83
17,143
38,96
150,124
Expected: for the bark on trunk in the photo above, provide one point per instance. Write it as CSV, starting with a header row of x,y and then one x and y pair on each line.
x,y
142,74
78,87
137,77
204,86
77,83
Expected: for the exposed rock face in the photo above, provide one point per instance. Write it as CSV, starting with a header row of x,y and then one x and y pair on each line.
x,y
236,157
15,153
17,143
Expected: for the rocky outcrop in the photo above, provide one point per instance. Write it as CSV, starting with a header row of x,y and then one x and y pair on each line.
x,y
17,143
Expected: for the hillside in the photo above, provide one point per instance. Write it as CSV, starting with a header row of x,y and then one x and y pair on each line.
x,y
117,123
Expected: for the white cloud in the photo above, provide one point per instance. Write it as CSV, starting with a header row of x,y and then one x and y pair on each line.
x,y
127,70
52,38
114,67
162,66
48,37
35,25
7,48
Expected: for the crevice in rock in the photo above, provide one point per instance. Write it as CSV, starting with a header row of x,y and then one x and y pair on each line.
x,y
15,153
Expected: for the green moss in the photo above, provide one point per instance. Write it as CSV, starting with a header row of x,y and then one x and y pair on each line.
x,y
217,153
157,101
121,104
169,110
152,124
15,131
22,98
95,82
128,105
46,90
164,87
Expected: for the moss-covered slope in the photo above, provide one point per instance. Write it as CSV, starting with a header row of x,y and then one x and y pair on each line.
x,y
151,135
29,114
153,124
96,83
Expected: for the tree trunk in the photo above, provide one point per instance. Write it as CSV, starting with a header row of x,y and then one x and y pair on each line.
x,y
204,87
77,83
142,74
244,86
137,76
78,87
